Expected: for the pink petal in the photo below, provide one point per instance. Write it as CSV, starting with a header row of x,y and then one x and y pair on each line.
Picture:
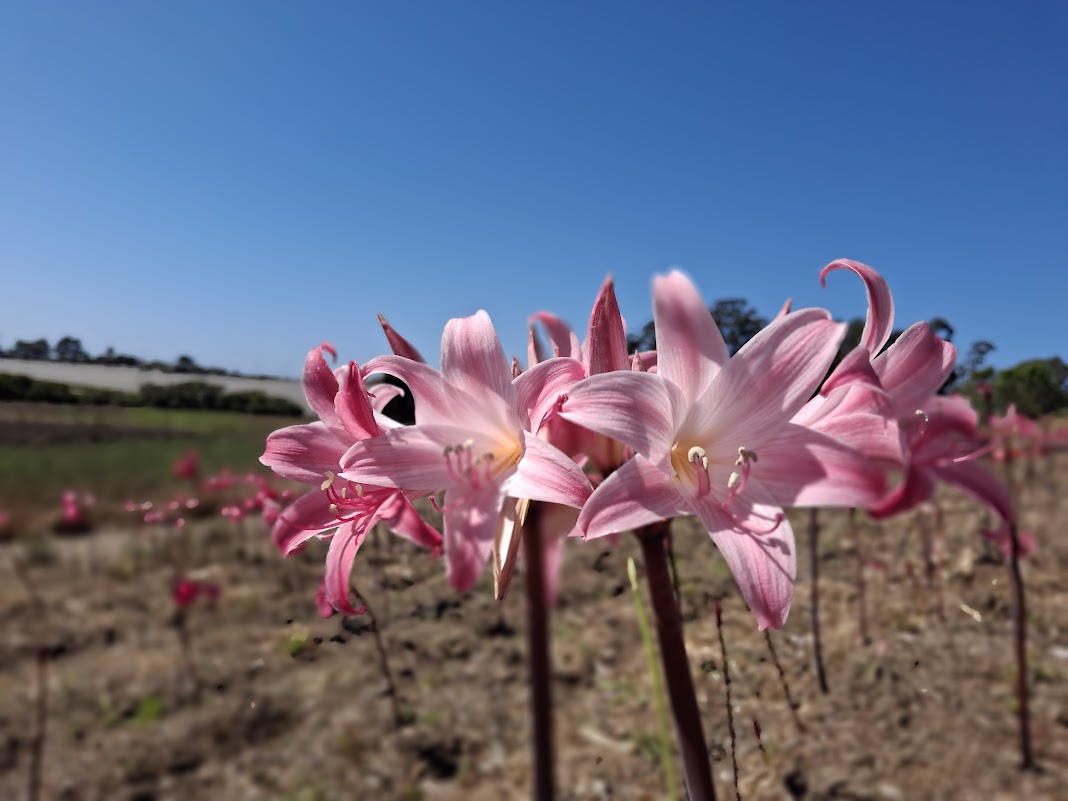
x,y
472,358
559,335
382,394
916,488
538,389
855,368
471,521
547,474
556,523
320,387
766,382
308,516
690,349
401,346
802,467
352,405
915,366
633,496
638,409
343,547
411,458
405,521
880,320
304,453
426,384
975,480
606,341
506,543
763,564
860,416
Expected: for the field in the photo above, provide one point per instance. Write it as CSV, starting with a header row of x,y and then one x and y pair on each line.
x,y
281,705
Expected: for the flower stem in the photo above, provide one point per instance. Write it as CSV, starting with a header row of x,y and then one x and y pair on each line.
x,y
676,666
383,660
541,699
1019,620
730,707
862,584
814,566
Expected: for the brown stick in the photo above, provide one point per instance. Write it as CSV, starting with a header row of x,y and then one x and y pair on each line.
x,y
814,566
785,685
677,676
383,660
730,709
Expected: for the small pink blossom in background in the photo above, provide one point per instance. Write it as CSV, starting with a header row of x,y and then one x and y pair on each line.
x,y
74,515
1003,540
187,466
187,591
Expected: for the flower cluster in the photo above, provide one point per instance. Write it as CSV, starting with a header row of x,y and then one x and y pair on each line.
x,y
610,441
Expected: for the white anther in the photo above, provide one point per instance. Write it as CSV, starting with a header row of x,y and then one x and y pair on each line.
x,y
329,480
333,509
468,443
696,454
344,492
732,480
745,455
359,490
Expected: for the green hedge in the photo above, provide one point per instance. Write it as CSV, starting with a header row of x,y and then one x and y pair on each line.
x,y
187,395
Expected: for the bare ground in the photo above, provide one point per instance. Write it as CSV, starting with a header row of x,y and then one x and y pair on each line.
x,y
295,708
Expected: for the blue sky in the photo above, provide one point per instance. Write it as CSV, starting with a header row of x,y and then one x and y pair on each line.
x,y
240,181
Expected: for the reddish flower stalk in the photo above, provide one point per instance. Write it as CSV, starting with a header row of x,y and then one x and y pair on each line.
x,y
676,666
541,700
814,565
1019,609
394,699
785,684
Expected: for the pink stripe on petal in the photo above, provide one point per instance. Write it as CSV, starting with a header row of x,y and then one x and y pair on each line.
x,y
766,382
538,389
410,458
320,387
471,521
547,474
343,547
472,358
915,366
975,480
633,496
352,405
559,335
880,320
916,488
304,453
802,467
308,516
406,522
855,368
638,409
763,564
690,349
401,346
606,340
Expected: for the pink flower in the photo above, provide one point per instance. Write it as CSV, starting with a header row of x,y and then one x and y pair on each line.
x,y
713,437
941,433
187,466
312,454
473,439
185,592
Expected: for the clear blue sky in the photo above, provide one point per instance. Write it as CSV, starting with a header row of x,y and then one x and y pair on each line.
x,y
240,181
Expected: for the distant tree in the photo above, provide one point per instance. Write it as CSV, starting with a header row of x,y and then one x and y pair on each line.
x,y
185,364
35,350
69,349
643,340
1037,387
942,328
737,321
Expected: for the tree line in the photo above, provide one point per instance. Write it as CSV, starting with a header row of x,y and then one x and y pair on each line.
x,y
71,351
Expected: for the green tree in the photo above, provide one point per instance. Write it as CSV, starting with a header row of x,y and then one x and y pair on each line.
x,y
69,349
1037,387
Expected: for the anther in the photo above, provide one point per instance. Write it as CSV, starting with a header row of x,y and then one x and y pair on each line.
x,y
329,481
699,459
